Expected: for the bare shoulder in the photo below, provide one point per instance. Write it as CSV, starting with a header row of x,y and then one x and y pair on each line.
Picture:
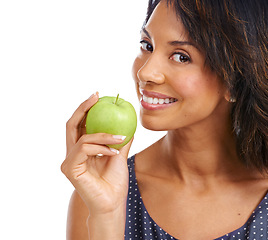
x,y
144,159
77,218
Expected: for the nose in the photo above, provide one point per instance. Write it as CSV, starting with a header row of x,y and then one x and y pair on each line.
x,y
151,71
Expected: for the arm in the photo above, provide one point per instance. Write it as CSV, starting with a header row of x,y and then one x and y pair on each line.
x,y
109,226
77,219
97,207
101,227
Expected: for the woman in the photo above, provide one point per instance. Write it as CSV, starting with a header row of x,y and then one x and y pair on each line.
x,y
201,75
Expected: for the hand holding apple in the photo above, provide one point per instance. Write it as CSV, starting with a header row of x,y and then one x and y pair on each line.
x,y
102,183
112,115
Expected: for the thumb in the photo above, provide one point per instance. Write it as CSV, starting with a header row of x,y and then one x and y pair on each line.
x,y
125,150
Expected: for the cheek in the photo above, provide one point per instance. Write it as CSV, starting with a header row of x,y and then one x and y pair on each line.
x,y
197,86
187,86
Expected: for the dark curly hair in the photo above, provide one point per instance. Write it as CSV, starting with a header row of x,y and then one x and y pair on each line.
x,y
234,37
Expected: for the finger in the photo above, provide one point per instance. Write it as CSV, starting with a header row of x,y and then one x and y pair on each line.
x,y
80,155
80,112
125,150
118,166
90,150
83,126
74,123
101,138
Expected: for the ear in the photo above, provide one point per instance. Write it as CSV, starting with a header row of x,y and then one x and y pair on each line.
x,y
228,97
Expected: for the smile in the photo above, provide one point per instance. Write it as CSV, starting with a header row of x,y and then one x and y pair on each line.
x,y
155,101
160,101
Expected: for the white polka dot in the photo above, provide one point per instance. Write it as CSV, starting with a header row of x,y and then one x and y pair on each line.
x,y
141,226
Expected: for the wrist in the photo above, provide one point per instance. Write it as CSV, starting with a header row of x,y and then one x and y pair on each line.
x,y
107,226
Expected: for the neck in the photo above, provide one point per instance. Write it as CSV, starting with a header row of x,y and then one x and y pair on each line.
x,y
201,154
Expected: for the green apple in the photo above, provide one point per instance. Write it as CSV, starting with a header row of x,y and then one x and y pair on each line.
x,y
112,115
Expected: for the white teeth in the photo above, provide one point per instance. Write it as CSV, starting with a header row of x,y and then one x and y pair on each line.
x,y
161,101
158,100
150,100
144,98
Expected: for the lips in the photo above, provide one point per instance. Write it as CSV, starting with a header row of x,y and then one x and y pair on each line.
x,y
154,101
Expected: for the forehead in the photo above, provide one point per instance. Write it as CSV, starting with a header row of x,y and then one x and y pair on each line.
x,y
165,22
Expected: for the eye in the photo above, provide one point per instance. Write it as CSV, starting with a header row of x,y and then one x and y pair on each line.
x,y
180,58
146,46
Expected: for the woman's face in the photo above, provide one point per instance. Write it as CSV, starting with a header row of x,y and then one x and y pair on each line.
x,y
175,87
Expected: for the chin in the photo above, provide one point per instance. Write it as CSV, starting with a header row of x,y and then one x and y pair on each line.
x,y
152,125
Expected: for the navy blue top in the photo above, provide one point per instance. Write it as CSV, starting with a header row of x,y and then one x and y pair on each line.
x,y
139,224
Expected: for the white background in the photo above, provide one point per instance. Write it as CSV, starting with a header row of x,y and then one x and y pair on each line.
x,y
53,55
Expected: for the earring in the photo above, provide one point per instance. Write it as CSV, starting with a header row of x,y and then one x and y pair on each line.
x,y
232,100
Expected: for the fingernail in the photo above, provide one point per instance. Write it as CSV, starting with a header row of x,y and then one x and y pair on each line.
x,y
120,137
114,150
93,95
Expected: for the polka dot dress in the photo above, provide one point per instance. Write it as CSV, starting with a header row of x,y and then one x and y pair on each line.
x,y
139,224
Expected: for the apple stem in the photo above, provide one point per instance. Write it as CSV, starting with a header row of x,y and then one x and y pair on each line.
x,y
116,98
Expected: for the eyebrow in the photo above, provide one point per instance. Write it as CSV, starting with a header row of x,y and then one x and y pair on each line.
x,y
146,32
175,43
172,43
